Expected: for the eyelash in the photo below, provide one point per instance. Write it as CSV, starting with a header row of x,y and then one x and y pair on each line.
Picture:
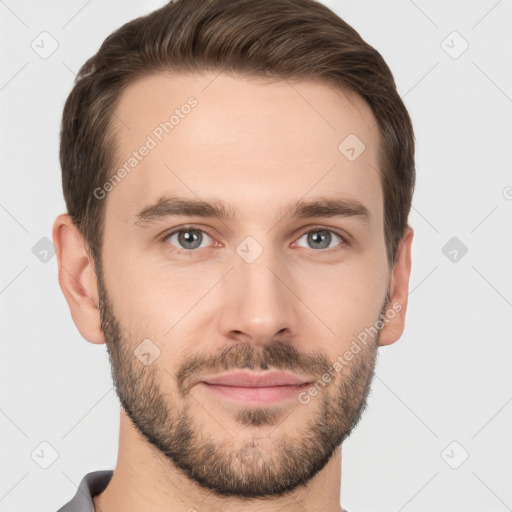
x,y
191,252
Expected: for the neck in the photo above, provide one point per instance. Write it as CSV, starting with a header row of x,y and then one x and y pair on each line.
x,y
144,479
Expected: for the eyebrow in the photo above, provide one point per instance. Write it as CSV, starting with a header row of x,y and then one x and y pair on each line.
x,y
215,208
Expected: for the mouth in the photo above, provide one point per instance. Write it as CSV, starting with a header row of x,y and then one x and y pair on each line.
x,y
252,388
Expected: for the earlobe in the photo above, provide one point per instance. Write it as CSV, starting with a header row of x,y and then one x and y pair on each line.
x,y
394,319
77,279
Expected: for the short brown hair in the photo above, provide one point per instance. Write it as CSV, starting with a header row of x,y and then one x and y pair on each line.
x,y
274,39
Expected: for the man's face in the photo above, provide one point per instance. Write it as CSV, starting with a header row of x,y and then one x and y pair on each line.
x,y
185,297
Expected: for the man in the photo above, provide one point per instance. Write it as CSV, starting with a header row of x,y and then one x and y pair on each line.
x,y
238,177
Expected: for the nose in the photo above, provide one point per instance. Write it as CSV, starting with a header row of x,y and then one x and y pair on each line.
x,y
258,305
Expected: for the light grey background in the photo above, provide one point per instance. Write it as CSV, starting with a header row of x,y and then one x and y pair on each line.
x,y
447,380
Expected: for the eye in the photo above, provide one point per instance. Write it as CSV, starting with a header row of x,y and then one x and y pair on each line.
x,y
188,239
321,239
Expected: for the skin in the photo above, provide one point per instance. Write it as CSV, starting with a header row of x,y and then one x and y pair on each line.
x,y
259,147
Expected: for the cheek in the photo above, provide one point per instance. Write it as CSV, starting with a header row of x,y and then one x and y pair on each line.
x,y
134,284
347,298
156,299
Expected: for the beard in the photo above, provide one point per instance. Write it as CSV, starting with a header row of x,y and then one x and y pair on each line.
x,y
246,468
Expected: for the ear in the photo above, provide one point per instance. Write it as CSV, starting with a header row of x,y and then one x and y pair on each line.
x,y
77,279
398,292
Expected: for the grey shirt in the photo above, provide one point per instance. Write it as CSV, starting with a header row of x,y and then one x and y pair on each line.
x,y
91,485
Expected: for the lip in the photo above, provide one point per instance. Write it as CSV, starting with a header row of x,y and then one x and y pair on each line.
x,y
255,389
255,380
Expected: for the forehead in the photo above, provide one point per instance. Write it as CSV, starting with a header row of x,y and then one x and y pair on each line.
x,y
251,142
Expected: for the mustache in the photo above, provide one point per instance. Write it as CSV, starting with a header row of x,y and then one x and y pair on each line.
x,y
280,355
